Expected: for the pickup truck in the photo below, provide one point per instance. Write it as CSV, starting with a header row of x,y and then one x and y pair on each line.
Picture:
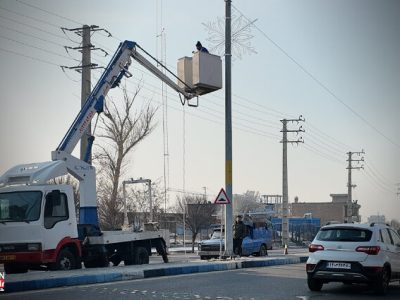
x,y
257,241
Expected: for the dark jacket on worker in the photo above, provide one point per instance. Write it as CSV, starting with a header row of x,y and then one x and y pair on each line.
x,y
239,230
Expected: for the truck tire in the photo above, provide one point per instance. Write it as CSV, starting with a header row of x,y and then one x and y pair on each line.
x,y
66,260
11,268
141,257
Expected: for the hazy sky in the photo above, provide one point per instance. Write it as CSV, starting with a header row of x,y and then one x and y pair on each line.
x,y
334,62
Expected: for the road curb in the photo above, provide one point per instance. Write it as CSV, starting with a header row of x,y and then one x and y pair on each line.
x,y
66,279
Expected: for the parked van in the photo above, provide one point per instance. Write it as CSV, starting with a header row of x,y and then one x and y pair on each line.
x,y
257,241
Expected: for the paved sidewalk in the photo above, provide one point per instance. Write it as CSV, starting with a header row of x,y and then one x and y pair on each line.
x,y
51,279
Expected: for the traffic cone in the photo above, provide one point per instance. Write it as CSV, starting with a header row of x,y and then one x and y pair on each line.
x,y
285,251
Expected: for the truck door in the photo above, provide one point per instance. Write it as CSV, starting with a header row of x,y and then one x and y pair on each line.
x,y
56,219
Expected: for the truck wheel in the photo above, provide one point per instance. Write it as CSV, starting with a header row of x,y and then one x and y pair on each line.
x,y
11,268
141,256
65,261
263,251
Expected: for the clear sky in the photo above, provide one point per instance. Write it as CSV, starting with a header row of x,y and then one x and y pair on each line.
x,y
334,62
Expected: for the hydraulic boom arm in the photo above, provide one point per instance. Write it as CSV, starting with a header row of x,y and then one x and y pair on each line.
x,y
116,69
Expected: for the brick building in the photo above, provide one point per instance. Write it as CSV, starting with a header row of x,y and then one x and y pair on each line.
x,y
327,211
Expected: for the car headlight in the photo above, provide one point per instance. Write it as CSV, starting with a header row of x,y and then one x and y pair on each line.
x,y
34,247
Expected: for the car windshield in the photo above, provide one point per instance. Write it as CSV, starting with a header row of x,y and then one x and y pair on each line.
x,y
344,234
20,206
216,235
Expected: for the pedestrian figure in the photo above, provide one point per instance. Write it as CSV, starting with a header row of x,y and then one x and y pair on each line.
x,y
200,47
239,233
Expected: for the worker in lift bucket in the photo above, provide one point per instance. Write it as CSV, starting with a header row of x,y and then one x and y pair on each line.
x,y
200,47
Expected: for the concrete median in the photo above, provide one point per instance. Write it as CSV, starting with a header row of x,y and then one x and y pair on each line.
x,y
48,279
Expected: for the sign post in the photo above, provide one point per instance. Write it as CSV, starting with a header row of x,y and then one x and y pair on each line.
x,y
223,199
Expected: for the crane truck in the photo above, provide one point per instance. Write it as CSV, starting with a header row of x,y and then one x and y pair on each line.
x,y
38,224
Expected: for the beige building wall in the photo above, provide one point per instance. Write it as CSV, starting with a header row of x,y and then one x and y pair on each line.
x,y
327,211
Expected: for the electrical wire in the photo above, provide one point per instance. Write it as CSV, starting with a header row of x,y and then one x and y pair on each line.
x,y
30,57
37,48
321,84
49,12
30,35
371,179
33,27
29,17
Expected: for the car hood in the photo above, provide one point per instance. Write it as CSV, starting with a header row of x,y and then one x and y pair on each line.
x,y
212,242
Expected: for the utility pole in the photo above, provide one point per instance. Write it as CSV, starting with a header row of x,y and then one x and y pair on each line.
x,y
205,193
85,68
132,181
285,194
228,129
350,186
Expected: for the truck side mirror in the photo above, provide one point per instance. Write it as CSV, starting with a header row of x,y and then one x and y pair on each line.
x,y
54,197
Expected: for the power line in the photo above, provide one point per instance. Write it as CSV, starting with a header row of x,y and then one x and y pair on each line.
x,y
377,184
35,47
48,12
322,154
29,17
30,35
322,85
33,27
30,57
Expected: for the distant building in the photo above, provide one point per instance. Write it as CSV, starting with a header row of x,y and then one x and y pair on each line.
x,y
326,211
377,219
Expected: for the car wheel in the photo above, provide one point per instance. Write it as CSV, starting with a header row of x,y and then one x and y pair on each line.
x,y
381,285
263,251
314,284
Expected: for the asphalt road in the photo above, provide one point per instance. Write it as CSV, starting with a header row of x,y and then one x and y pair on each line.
x,y
280,282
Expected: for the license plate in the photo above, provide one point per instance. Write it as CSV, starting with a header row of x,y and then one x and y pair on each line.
x,y
7,257
338,265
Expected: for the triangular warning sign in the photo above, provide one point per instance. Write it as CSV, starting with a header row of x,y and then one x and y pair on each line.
x,y
222,198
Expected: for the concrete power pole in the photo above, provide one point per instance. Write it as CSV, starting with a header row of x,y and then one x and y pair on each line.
x,y
228,129
86,88
285,194
350,186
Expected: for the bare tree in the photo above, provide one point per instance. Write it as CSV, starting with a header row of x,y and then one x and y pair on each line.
x,y
122,130
247,202
198,214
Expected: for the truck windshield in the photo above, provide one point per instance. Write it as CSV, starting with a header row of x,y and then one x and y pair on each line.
x,y
20,206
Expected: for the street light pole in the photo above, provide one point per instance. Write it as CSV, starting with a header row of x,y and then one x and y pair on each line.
x,y
228,129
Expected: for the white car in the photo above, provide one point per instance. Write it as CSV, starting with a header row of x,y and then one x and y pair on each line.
x,y
354,253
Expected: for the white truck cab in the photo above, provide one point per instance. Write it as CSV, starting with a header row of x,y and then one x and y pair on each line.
x,y
36,220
